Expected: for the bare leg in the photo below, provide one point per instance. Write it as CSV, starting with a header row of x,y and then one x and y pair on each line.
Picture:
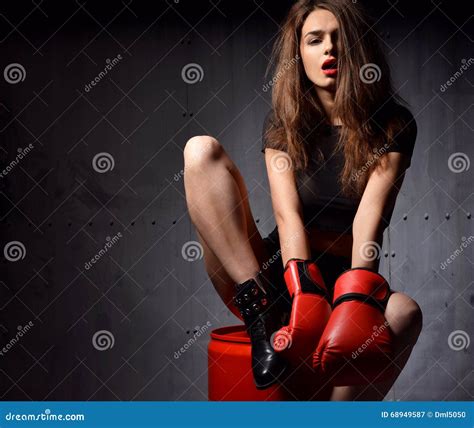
x,y
218,205
405,319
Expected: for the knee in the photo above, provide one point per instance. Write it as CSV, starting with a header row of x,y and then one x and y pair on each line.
x,y
413,319
405,317
201,149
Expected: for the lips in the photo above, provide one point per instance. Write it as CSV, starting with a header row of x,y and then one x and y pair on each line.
x,y
329,67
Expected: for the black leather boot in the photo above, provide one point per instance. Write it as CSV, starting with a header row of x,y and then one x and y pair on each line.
x,y
257,301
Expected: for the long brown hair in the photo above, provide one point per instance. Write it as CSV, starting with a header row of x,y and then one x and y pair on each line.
x,y
363,96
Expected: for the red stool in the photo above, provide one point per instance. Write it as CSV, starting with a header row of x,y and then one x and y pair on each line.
x,y
230,373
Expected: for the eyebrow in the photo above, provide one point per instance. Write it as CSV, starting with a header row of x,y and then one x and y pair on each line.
x,y
317,32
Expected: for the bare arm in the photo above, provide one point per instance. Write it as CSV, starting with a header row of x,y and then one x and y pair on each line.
x,y
294,242
375,210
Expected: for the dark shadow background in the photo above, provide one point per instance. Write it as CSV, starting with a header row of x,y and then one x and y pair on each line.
x,y
60,208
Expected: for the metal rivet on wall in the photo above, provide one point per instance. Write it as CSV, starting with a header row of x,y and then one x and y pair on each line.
x,y
447,216
427,216
405,216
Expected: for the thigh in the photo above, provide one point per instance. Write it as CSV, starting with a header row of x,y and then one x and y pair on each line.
x,y
404,317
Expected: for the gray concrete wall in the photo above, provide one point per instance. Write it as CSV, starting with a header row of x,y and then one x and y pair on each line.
x,y
110,331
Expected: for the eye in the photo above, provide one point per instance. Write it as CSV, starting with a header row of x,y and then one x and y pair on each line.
x,y
314,41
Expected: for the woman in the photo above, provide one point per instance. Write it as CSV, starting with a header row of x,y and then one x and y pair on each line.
x,y
337,143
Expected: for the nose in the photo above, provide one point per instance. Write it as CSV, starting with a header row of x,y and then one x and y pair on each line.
x,y
328,45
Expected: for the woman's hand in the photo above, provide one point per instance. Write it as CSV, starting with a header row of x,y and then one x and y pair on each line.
x,y
309,313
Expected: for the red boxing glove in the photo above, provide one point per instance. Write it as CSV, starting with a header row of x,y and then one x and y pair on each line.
x,y
356,346
309,313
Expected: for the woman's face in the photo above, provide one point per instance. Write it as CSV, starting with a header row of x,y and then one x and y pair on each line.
x,y
318,48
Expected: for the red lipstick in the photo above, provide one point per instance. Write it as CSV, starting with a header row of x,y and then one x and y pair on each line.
x,y
329,67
